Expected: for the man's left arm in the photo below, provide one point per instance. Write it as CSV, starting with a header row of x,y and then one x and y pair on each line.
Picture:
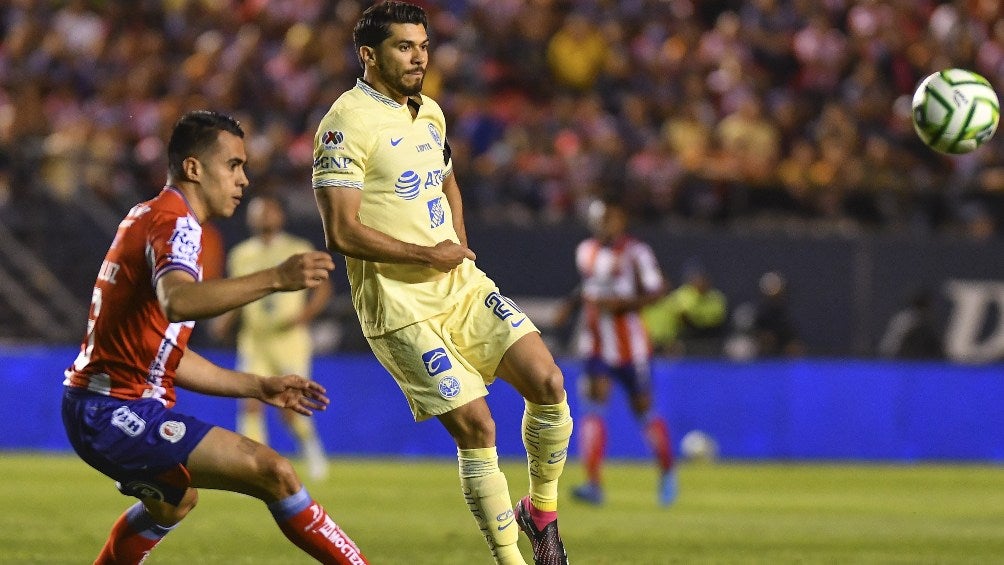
x,y
452,191
198,374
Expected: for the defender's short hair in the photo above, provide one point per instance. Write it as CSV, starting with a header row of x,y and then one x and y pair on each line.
x,y
194,134
374,25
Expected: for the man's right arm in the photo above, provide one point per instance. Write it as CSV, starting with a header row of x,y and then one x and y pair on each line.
x,y
183,298
345,234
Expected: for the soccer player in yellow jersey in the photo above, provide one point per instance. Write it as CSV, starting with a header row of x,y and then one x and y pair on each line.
x,y
385,188
274,333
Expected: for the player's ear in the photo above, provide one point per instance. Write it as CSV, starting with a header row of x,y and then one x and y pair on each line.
x,y
368,55
191,168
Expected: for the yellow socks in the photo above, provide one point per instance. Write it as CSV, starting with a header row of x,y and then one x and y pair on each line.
x,y
487,495
546,431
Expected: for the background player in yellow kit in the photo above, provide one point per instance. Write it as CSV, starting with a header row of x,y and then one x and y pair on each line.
x,y
384,184
274,333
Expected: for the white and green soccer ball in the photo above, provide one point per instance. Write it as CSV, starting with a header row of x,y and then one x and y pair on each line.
x,y
955,111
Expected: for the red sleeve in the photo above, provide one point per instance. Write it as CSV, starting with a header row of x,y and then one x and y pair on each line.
x,y
175,243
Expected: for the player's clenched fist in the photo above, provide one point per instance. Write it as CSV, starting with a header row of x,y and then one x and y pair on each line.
x,y
304,270
446,255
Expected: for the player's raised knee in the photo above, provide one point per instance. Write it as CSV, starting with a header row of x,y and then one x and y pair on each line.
x,y
279,475
550,386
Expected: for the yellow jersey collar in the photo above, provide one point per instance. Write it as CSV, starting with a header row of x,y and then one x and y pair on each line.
x,y
383,98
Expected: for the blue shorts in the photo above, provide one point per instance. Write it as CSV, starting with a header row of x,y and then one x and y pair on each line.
x,y
140,444
635,379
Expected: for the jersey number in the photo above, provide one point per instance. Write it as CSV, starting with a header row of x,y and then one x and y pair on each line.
x,y
85,354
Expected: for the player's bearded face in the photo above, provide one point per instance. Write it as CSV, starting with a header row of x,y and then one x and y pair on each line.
x,y
402,58
404,80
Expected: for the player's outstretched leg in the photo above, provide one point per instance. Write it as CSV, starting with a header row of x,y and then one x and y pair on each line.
x,y
307,524
225,460
546,432
658,438
132,537
487,494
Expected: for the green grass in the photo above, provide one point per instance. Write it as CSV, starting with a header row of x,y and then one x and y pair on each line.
x,y
57,510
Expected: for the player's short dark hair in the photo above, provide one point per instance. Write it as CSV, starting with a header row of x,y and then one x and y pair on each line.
x,y
194,134
374,25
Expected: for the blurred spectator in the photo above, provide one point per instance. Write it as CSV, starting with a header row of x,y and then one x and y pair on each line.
x,y
911,332
577,52
690,320
751,142
734,88
764,328
775,332
775,114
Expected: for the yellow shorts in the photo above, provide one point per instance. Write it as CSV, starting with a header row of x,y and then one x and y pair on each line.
x,y
446,361
275,353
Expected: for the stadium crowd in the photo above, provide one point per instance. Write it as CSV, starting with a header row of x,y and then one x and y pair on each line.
x,y
766,112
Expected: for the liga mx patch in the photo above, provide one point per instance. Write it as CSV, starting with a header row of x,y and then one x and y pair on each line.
x,y
172,431
332,139
436,361
437,215
449,387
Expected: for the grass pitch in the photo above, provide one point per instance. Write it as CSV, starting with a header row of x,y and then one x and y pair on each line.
x,y
57,510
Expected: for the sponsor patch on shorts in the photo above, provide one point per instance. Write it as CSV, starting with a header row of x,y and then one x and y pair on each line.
x,y
436,361
128,421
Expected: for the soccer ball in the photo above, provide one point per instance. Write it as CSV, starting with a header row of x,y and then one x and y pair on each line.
x,y
698,446
955,111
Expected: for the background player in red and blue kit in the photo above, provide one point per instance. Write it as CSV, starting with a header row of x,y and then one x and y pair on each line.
x,y
619,276
120,391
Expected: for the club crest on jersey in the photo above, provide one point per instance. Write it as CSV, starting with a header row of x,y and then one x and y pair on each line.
x,y
172,431
331,139
438,139
449,387
436,361
437,215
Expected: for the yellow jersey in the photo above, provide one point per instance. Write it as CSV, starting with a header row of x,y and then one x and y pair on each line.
x,y
277,310
371,143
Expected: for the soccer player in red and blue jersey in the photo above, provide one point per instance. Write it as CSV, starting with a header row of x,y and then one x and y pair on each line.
x,y
118,404
620,276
